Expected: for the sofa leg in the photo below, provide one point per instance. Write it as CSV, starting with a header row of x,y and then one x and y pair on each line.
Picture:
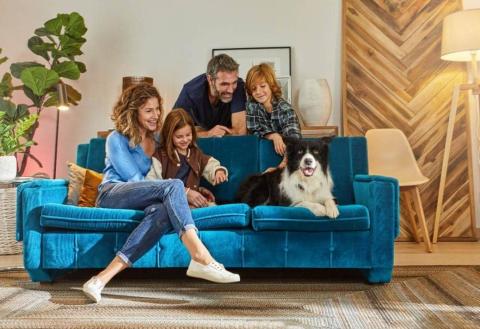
x,y
39,275
378,274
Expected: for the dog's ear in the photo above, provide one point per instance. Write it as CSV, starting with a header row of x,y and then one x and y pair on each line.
x,y
290,141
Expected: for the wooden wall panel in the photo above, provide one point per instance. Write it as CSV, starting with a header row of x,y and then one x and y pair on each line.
x,y
393,77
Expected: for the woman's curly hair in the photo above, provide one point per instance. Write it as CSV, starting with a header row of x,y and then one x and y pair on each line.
x,y
125,111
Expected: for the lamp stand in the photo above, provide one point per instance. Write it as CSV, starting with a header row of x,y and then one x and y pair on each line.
x,y
56,145
475,88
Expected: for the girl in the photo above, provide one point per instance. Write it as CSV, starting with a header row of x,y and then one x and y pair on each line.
x,y
136,116
179,157
268,114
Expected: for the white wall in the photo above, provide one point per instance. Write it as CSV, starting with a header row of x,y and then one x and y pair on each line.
x,y
170,41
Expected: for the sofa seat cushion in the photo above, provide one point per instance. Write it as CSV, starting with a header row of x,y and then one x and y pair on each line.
x,y
125,220
270,218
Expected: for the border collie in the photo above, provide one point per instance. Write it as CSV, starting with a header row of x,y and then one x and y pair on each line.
x,y
304,182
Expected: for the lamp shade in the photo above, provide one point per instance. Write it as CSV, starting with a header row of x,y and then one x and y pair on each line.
x,y
461,36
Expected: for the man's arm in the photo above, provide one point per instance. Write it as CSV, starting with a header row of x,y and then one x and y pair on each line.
x,y
239,123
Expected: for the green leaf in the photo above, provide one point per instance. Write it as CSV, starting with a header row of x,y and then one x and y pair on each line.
x,y
54,26
39,79
70,46
42,32
76,25
38,47
9,108
6,85
3,60
67,70
17,68
52,100
37,100
81,67
22,111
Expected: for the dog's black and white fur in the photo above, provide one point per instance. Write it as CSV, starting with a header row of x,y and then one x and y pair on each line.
x,y
304,182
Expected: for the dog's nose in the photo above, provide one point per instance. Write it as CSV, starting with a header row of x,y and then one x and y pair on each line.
x,y
308,161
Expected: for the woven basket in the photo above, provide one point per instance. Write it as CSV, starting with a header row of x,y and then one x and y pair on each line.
x,y
8,202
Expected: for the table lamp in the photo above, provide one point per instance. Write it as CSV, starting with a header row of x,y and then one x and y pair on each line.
x,y
460,43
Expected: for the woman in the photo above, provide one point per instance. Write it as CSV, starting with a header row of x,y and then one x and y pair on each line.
x,y
137,116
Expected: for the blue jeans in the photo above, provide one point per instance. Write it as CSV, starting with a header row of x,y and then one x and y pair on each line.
x,y
164,203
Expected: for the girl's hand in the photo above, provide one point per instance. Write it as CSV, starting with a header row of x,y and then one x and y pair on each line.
x,y
207,194
196,199
220,177
278,143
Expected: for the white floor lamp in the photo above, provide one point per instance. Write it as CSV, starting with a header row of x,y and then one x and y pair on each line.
x,y
460,43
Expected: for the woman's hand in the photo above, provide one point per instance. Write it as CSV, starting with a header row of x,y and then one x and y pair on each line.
x,y
278,143
220,177
207,194
196,199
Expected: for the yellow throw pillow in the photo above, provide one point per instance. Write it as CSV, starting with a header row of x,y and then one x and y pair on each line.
x,y
89,191
76,176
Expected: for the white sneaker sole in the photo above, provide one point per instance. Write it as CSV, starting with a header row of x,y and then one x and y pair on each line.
x,y
202,275
91,296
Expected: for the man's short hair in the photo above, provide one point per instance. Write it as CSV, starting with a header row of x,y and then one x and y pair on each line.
x,y
221,62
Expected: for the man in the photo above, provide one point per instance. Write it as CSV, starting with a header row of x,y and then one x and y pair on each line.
x,y
216,100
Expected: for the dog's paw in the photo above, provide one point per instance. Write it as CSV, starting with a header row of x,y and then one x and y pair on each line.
x,y
331,210
317,209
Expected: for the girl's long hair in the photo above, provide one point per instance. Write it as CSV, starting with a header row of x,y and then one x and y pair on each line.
x,y
176,119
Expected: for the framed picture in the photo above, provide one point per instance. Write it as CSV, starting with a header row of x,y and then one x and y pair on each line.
x,y
277,57
286,86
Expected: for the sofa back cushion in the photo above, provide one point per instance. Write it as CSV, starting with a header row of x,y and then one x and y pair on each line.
x,y
246,155
239,154
347,158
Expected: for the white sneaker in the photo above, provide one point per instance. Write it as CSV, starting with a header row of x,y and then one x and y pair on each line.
x,y
214,272
93,289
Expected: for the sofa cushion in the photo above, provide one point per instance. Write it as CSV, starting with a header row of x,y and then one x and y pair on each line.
x,y
239,154
125,220
351,218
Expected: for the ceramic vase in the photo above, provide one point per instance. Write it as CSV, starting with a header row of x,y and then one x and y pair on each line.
x,y
315,102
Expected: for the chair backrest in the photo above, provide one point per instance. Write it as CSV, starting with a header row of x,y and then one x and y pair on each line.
x,y
390,154
246,155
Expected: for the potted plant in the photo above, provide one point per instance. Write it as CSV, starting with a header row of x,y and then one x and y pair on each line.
x,y
15,126
57,42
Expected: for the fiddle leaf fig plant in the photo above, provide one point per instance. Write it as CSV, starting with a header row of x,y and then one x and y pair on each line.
x,y
58,42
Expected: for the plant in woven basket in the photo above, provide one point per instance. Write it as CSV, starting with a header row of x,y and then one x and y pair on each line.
x,y
57,42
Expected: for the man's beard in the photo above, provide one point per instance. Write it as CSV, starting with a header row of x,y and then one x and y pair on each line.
x,y
224,97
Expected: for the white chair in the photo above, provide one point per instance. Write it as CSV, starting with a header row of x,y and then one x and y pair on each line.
x,y
390,154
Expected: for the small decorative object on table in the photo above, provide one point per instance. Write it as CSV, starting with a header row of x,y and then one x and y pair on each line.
x,y
135,80
8,208
315,102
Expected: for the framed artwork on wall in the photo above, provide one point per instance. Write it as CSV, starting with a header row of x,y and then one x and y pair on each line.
x,y
286,87
278,57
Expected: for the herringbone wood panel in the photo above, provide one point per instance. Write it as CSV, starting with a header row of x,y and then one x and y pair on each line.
x,y
393,77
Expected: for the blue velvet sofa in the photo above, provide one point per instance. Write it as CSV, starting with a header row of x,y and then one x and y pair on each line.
x,y
58,237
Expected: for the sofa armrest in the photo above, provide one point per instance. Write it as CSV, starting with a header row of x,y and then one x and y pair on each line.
x,y
381,195
34,194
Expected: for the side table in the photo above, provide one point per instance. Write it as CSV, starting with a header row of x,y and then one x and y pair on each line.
x,y
8,216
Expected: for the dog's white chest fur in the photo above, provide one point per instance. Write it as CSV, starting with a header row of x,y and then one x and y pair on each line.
x,y
298,188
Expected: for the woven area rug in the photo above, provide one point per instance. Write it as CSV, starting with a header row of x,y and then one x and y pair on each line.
x,y
418,297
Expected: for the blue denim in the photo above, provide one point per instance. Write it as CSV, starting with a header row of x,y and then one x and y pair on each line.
x,y
164,203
